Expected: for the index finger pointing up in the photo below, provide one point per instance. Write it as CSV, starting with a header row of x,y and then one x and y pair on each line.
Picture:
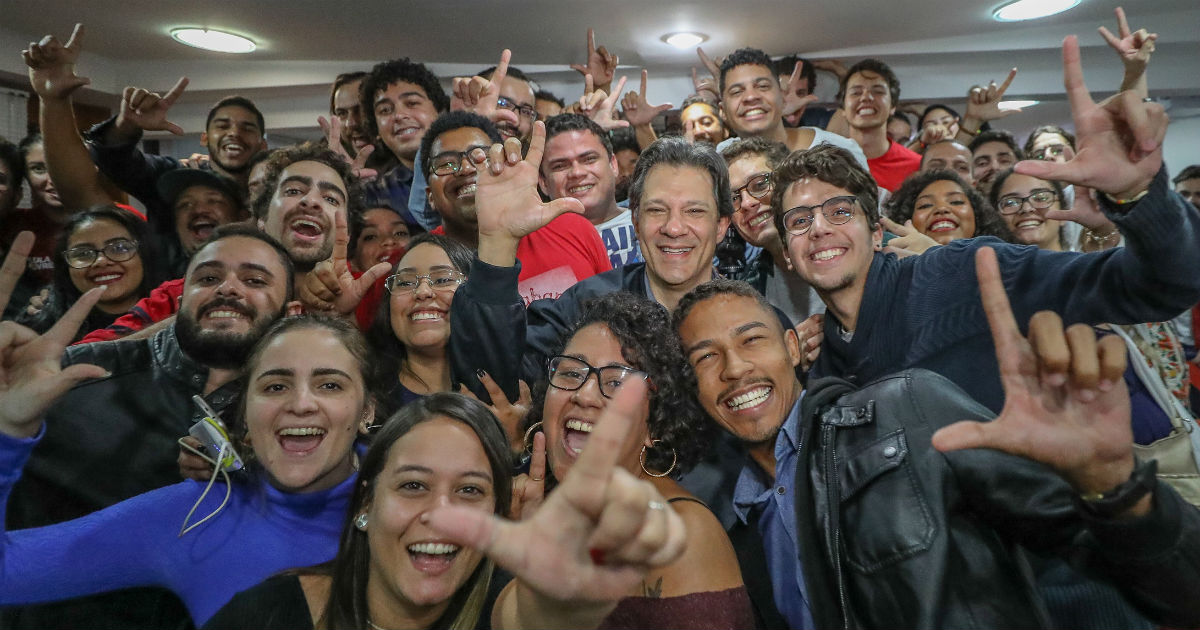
x,y
502,67
1077,92
1005,333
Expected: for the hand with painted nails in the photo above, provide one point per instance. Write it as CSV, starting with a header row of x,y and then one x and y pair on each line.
x,y
529,490
510,414
1065,401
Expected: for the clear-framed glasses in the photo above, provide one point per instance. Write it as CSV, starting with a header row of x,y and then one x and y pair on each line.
x,y
1039,199
1049,152
570,374
526,111
837,210
449,163
117,250
759,186
439,280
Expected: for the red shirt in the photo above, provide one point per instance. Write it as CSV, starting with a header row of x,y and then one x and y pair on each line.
x,y
40,264
890,169
162,303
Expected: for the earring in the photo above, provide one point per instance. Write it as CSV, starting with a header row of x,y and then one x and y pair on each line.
x,y
528,439
642,460
360,522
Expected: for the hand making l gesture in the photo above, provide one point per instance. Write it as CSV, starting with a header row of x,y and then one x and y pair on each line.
x,y
52,65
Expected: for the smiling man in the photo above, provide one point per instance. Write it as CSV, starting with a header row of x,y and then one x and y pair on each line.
x,y
114,438
869,94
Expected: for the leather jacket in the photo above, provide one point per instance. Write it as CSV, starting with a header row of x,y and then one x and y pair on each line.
x,y
894,533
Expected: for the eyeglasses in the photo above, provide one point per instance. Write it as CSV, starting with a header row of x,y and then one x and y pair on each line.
x,y
1049,152
118,250
570,374
524,110
439,280
1039,199
759,186
837,210
451,162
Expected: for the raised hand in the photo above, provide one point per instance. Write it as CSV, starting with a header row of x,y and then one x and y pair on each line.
x,y
811,332
793,101
1118,141
601,65
983,103
832,66
598,105
510,414
52,65
31,372
1065,402
594,537
638,111
528,491
145,110
331,282
507,203
332,128
713,67
1134,49
479,95
908,241
705,84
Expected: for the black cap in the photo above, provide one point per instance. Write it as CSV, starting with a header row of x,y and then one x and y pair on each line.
x,y
172,184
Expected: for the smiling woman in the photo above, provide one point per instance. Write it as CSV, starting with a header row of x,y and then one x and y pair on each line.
x,y
306,398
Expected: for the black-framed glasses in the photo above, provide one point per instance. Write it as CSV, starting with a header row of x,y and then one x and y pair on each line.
x,y
522,110
449,163
1049,152
837,210
439,280
116,250
1039,199
570,374
759,186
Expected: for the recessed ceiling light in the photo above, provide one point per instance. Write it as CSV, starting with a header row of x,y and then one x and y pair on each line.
x,y
1016,104
683,41
210,39
1031,9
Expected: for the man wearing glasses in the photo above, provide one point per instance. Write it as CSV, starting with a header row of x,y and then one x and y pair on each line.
x,y
751,161
516,95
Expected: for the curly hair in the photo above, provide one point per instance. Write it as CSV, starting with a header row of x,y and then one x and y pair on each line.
x,y
746,57
996,135
307,152
987,220
386,73
832,165
873,66
648,343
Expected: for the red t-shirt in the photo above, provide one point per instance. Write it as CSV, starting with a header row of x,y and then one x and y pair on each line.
x,y
40,264
890,169
162,303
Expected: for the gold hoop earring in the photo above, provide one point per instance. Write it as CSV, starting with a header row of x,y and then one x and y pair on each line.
x,y
528,439
642,460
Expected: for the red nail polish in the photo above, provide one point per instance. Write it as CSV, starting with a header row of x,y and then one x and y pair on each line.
x,y
597,556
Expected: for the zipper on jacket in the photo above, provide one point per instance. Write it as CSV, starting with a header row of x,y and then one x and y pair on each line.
x,y
833,496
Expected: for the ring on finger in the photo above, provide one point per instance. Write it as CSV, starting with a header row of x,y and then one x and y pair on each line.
x,y
657,505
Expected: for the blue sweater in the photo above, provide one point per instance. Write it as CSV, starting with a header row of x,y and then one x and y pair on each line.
x,y
260,532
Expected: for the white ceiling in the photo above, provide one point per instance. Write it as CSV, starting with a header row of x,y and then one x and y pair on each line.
x,y
937,47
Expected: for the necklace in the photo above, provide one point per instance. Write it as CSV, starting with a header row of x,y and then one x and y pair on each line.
x,y
373,626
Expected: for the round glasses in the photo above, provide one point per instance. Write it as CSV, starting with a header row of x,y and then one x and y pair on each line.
x,y
837,210
1039,199
570,374
451,162
439,280
759,186
117,250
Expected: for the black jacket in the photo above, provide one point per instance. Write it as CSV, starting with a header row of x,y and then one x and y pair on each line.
x,y
894,533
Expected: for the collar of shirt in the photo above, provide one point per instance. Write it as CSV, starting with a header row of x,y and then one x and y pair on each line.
x,y
753,488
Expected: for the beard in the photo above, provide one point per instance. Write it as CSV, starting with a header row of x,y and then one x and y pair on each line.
x,y
218,348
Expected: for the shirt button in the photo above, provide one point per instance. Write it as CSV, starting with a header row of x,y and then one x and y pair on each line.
x,y
889,451
781,490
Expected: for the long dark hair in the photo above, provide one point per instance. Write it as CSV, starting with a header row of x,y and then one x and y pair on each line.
x,y
346,608
64,293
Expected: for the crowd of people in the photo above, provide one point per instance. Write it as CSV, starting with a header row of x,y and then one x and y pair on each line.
x,y
853,368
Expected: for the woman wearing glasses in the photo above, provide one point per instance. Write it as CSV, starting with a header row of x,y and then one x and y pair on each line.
x,y
104,246
621,338
412,326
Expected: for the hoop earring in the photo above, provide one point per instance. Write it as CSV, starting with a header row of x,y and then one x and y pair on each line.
x,y
642,460
528,439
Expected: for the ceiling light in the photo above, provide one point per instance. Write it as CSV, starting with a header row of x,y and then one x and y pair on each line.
x,y
1031,9
684,41
209,39
1016,104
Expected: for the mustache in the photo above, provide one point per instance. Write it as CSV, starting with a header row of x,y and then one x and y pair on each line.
x,y
228,304
728,391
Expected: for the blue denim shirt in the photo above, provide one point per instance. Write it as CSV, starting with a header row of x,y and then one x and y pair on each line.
x,y
775,502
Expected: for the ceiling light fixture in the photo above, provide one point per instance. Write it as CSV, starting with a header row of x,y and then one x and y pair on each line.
x,y
1031,9
210,39
1016,104
684,41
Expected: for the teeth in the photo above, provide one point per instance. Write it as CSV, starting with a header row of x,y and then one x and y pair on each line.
x,y
108,277
467,191
749,399
306,223
435,549
757,111
579,425
577,190
223,314
675,250
1032,223
760,219
423,315
828,254
866,111
301,431
942,225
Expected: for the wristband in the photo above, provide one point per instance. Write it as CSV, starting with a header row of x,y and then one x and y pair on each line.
x,y
1124,202
1118,500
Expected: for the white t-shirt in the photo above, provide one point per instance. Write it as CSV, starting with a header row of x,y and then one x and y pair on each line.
x,y
620,239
